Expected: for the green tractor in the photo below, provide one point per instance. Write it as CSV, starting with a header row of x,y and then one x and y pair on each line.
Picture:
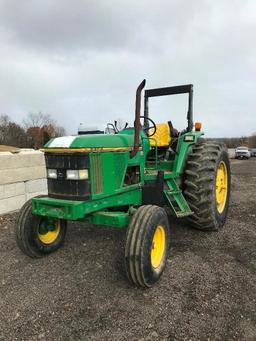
x,y
127,180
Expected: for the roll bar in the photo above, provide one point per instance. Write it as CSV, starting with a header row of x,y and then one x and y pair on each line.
x,y
172,90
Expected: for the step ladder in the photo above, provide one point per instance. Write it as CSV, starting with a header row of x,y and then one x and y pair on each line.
x,y
176,200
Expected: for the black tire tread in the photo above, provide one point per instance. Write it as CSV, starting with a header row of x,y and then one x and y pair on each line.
x,y
22,233
200,184
134,239
131,242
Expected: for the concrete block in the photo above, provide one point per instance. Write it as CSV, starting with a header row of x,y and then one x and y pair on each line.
x,y
3,206
21,160
1,192
11,190
39,185
31,158
5,153
12,204
19,188
22,174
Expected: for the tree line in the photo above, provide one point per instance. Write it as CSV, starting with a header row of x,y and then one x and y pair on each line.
x,y
233,142
36,129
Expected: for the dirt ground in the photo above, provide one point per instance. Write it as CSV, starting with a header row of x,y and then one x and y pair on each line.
x,y
208,291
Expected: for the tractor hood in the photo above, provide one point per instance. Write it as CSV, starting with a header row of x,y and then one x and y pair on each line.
x,y
97,141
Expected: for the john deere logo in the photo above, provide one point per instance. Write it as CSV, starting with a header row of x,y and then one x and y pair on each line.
x,y
61,174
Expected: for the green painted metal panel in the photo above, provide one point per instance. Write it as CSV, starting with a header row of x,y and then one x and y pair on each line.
x,y
124,139
121,160
183,149
107,172
108,169
103,141
69,209
117,219
99,141
151,174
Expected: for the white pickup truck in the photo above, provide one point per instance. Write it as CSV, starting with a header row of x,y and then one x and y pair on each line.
x,y
242,153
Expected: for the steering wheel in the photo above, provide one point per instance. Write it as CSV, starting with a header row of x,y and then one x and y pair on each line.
x,y
153,126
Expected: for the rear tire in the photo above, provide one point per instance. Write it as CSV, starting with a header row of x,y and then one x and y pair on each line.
x,y
207,185
32,235
147,245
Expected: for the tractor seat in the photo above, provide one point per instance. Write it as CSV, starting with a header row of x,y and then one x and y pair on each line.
x,y
162,136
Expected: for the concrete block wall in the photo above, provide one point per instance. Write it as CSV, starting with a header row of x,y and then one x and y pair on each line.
x,y
22,176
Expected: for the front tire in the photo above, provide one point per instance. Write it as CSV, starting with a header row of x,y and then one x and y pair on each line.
x,y
147,245
36,235
207,185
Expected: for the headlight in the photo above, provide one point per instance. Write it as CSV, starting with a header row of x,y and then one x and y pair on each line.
x,y
52,173
79,174
189,138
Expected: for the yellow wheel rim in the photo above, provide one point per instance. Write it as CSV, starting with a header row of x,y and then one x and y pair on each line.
x,y
158,247
49,236
221,186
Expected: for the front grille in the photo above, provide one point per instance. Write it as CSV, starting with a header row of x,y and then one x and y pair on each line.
x,y
67,160
62,188
97,186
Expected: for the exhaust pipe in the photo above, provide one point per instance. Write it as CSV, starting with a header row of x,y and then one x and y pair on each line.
x,y
137,125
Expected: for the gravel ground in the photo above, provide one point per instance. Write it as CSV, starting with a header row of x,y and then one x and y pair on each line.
x,y
208,291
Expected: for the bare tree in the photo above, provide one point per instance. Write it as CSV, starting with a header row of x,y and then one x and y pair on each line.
x,y
40,128
4,120
11,134
59,131
37,129
38,120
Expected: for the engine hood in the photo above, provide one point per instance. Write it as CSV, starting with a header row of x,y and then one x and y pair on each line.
x,y
98,141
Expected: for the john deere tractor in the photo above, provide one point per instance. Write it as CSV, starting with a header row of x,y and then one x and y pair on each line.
x,y
127,180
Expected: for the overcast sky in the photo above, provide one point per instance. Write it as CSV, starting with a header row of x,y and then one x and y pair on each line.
x,y
81,61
